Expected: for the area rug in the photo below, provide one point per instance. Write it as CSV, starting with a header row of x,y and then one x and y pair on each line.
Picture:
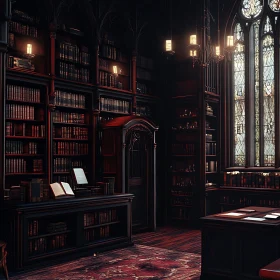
x,y
137,262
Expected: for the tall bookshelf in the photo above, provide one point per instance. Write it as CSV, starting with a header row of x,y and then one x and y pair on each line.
x,y
25,132
71,132
185,154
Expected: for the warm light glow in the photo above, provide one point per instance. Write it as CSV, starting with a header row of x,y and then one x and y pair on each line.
x,y
193,40
229,41
168,45
29,49
218,52
115,69
193,53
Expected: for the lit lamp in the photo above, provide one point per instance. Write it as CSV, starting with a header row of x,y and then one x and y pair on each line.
x,y
168,47
230,46
115,70
193,48
193,40
29,53
218,54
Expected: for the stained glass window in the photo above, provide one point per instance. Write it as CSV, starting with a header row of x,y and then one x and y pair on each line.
x,y
256,41
274,5
268,96
251,8
253,74
239,99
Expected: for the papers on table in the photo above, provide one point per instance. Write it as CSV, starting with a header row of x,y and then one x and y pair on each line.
x,y
253,219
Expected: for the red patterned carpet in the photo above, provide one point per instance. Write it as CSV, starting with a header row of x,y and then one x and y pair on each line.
x,y
139,262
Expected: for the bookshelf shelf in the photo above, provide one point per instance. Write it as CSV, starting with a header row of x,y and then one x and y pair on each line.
x,y
24,155
101,225
49,234
24,174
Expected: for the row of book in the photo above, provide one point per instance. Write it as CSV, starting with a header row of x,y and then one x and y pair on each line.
x,y
33,228
104,64
183,181
65,164
23,93
211,148
70,148
19,165
114,105
186,149
37,246
19,147
24,129
145,62
24,29
72,72
35,190
181,201
58,241
111,52
143,74
252,179
101,217
65,117
244,200
95,234
211,166
107,79
16,111
63,98
73,53
70,132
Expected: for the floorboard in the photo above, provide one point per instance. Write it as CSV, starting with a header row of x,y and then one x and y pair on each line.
x,y
173,238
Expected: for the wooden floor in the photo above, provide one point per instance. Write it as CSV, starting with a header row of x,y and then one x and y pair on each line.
x,y
173,238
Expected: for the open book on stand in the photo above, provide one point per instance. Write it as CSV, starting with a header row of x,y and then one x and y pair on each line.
x,y
61,190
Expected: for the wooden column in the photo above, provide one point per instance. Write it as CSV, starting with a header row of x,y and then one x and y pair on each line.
x,y
50,100
134,79
5,15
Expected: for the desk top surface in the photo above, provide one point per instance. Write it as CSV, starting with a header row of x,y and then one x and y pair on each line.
x,y
249,215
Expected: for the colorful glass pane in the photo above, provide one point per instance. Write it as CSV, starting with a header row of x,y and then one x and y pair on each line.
x,y
239,102
256,28
274,5
268,97
251,8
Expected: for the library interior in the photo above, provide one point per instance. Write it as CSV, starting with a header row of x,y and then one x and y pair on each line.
x,y
140,139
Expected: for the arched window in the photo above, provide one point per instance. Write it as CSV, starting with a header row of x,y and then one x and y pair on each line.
x,y
254,68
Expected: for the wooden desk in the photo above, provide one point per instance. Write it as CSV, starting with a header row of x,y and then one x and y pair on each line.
x,y
234,248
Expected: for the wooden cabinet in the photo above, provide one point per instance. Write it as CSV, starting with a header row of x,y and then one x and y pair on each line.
x,y
128,150
42,231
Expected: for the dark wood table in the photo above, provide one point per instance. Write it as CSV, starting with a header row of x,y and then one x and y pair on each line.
x,y
234,248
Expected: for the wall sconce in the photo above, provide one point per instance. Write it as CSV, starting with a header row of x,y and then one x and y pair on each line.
x,y
168,47
115,70
29,53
